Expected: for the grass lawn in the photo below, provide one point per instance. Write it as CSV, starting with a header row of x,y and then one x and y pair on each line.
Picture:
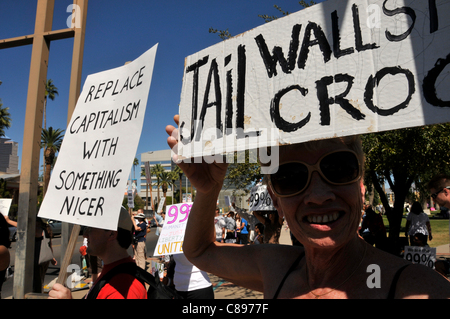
x,y
439,229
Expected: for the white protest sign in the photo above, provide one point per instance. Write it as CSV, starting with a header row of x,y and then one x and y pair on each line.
x,y
421,255
99,146
161,204
157,267
5,204
334,69
148,175
227,201
130,195
171,239
260,199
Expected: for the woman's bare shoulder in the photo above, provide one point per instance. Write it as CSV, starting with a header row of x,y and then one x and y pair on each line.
x,y
414,280
421,282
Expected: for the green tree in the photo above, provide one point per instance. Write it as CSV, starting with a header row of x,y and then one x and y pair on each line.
x,y
4,192
135,163
165,179
50,93
225,34
402,158
5,119
156,170
151,188
174,178
243,176
51,141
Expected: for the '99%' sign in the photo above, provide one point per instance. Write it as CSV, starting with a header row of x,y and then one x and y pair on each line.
x,y
177,213
260,199
170,240
421,255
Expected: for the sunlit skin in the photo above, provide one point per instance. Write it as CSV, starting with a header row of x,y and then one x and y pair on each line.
x,y
336,258
329,244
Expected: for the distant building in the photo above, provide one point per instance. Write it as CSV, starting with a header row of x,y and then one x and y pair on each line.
x,y
164,158
9,161
9,166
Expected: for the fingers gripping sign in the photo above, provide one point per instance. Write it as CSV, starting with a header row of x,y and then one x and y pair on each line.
x,y
204,174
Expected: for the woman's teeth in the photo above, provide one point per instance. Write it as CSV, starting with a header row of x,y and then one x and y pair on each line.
x,y
322,219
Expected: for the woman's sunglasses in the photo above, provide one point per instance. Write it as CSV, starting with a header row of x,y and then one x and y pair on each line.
x,y
337,168
434,195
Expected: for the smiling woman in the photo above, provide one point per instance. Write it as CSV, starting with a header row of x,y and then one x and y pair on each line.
x,y
321,197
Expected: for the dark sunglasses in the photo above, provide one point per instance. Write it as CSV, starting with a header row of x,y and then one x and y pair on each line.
x,y
337,168
434,195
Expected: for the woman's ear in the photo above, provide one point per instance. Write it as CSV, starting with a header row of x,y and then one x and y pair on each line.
x,y
113,235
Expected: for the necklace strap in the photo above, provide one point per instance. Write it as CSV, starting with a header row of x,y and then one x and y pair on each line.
x,y
294,265
317,296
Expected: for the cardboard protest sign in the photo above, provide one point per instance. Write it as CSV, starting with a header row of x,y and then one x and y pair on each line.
x,y
5,204
100,143
171,239
260,199
334,69
162,201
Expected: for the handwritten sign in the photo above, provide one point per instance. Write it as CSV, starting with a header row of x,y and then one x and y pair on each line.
x,y
5,204
334,69
421,255
100,143
170,241
260,199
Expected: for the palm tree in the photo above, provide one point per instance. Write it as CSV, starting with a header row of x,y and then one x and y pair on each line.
x,y
151,188
174,177
5,120
156,170
51,141
165,179
135,163
50,91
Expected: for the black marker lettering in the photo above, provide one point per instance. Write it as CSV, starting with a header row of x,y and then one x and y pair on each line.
x,y
358,34
275,115
320,40
373,82
195,68
213,75
390,13
429,83
434,19
337,38
278,56
240,101
325,101
229,99
99,90
89,96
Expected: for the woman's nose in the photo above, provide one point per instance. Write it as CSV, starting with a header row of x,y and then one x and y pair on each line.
x,y
318,191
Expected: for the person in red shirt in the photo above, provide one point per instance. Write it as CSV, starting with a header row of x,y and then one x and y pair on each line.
x,y
111,247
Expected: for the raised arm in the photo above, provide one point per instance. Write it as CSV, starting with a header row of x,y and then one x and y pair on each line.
x,y
208,180
200,246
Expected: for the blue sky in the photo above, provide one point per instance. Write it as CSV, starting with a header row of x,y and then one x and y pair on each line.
x,y
120,31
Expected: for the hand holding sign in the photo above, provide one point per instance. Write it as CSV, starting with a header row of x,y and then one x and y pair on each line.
x,y
204,176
